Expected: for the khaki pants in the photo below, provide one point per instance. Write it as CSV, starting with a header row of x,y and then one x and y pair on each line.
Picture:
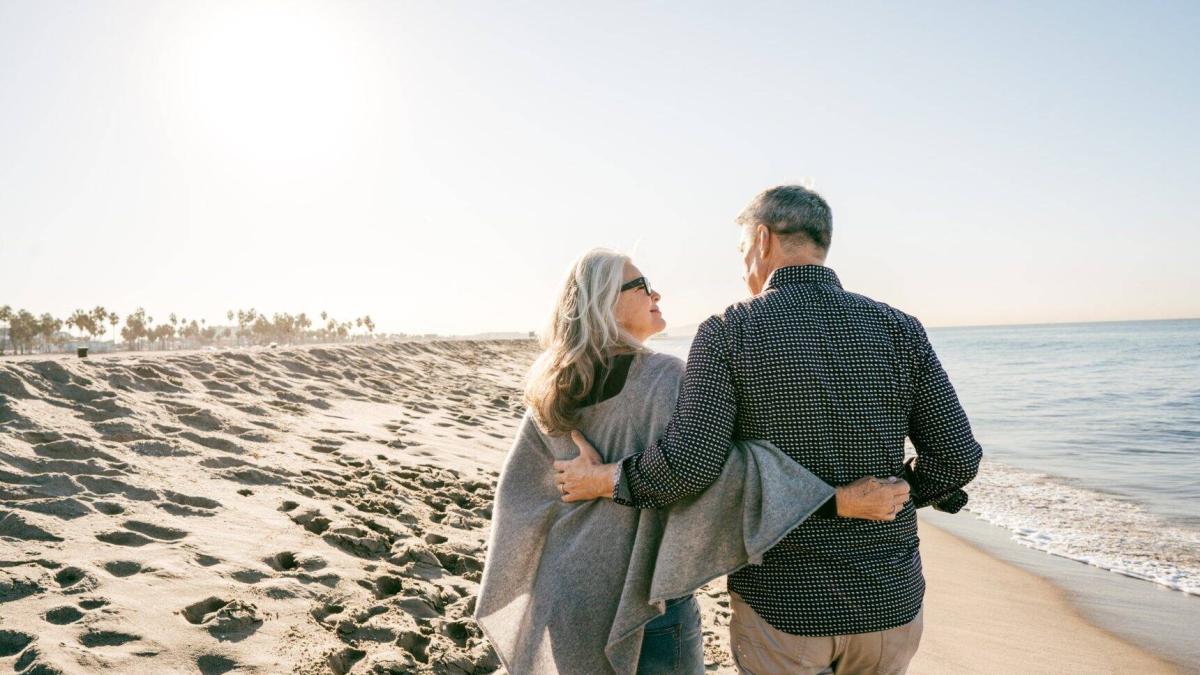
x,y
760,649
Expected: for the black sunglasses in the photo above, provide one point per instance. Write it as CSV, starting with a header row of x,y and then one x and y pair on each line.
x,y
638,282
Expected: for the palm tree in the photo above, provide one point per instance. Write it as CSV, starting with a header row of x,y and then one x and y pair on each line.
x,y
303,322
97,316
137,326
6,315
47,326
113,319
79,319
22,328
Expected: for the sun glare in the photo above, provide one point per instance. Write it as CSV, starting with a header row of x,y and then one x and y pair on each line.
x,y
270,85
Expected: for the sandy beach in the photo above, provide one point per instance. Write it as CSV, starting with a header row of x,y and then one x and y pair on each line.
x,y
324,509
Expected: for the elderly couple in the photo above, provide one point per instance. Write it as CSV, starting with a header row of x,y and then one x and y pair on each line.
x,y
774,456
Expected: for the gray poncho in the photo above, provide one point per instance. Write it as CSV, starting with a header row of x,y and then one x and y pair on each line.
x,y
568,588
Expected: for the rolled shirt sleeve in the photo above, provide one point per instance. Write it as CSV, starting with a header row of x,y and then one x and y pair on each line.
x,y
948,455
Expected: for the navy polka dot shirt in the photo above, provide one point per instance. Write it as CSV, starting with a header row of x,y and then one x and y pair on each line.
x,y
837,381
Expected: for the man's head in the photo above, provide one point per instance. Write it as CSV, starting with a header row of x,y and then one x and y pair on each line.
x,y
786,225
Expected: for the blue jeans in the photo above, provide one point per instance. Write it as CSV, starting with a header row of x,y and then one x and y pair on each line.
x,y
673,643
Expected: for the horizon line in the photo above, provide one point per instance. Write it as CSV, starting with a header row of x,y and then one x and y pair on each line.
x,y
1010,325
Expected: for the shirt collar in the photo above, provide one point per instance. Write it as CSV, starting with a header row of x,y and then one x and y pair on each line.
x,y
803,274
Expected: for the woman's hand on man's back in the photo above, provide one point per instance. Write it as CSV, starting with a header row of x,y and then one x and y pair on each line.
x,y
871,498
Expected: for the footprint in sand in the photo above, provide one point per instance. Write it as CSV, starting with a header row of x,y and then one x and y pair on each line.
x,y
13,642
459,632
188,500
215,664
340,662
248,576
14,525
213,442
200,419
252,476
71,449
75,580
385,586
205,560
120,432
312,520
282,562
107,486
222,462
325,610
419,608
255,436
156,448
106,638
223,618
122,568
121,538
155,531
67,508
414,643
187,505
63,615
142,533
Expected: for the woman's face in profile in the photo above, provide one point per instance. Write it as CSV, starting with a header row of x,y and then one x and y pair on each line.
x,y
637,311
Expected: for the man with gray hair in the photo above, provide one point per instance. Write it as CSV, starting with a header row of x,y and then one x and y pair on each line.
x,y
837,381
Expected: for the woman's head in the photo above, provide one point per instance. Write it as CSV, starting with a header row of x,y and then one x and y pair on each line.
x,y
637,310
592,318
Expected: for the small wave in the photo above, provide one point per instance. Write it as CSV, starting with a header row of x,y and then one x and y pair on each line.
x,y
1047,514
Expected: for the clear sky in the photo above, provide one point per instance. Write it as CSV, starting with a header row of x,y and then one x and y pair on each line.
x,y
438,165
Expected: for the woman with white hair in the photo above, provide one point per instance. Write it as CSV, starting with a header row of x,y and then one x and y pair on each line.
x,y
596,587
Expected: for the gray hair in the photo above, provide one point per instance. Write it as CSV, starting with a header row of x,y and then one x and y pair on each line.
x,y
789,211
581,333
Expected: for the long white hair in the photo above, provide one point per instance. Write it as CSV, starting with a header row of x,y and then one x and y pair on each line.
x,y
582,332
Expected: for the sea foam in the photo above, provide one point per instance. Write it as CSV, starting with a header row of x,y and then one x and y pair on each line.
x,y
1049,514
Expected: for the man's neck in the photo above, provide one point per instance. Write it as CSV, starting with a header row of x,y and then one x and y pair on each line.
x,y
795,260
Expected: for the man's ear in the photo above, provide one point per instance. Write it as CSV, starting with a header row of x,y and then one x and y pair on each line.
x,y
765,242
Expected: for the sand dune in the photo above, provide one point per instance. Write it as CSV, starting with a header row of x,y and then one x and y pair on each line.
x,y
307,510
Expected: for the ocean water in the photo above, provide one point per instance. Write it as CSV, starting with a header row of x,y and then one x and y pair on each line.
x,y
1091,437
